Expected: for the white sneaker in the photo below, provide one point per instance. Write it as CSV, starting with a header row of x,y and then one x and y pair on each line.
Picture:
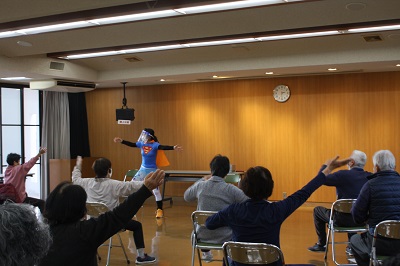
x,y
352,260
207,257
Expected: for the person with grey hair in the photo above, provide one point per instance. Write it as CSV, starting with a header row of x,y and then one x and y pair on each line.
x,y
348,184
24,239
379,200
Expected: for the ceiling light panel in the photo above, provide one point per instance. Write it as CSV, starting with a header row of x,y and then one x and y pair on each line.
x,y
135,17
297,35
371,29
227,6
144,16
55,27
221,42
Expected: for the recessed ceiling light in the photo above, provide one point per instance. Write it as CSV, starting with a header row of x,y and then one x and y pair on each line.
x,y
269,73
356,6
162,79
398,65
24,43
215,76
332,69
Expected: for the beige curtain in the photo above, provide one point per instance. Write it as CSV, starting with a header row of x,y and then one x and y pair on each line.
x,y
55,132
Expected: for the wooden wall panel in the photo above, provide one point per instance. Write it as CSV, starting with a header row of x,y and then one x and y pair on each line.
x,y
60,170
325,116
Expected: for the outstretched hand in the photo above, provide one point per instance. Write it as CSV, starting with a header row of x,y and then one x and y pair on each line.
x,y
178,148
117,140
79,161
154,179
42,150
334,163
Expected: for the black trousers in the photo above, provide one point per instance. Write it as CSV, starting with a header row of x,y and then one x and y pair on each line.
x,y
361,245
137,229
321,219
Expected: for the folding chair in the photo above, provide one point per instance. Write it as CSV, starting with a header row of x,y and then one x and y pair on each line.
x,y
131,174
232,179
199,219
388,229
340,206
95,209
252,253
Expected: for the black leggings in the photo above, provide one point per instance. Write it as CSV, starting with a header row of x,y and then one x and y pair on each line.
x,y
136,228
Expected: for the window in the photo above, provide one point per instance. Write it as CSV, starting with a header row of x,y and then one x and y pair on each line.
x,y
20,130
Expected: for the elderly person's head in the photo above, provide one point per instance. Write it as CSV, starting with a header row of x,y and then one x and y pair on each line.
x,y
384,160
65,204
257,183
359,159
219,166
102,168
24,239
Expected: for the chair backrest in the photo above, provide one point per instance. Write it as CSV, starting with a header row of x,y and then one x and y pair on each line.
x,y
95,209
131,174
199,218
252,253
343,205
388,229
232,178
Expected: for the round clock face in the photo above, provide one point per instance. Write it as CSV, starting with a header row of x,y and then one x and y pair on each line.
x,y
281,93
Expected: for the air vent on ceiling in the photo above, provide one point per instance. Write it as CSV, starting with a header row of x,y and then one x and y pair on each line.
x,y
56,65
133,59
372,38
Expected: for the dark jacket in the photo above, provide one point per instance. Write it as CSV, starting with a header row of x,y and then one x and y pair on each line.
x,y
76,243
259,221
348,183
379,199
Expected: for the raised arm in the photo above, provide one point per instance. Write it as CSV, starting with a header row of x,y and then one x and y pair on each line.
x,y
127,143
29,164
334,163
167,147
77,172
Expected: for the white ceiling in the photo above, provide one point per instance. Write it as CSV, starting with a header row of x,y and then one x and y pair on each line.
x,y
348,53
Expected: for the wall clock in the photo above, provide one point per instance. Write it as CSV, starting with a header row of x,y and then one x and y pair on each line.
x,y
281,93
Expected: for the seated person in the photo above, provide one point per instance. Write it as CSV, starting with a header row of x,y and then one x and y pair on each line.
x,y
108,191
378,201
15,174
348,184
24,239
75,239
214,194
258,220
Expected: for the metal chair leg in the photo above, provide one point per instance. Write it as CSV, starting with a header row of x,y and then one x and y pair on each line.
x,y
109,251
123,249
193,249
327,243
199,255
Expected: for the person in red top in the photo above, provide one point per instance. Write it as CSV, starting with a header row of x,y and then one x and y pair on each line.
x,y
15,174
